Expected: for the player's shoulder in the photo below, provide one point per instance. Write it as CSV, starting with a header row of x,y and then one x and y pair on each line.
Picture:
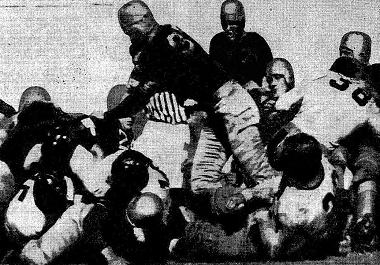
x,y
219,42
169,29
219,36
179,40
251,35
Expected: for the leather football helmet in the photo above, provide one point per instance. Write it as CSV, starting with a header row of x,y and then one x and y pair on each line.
x,y
232,17
136,19
356,44
280,68
145,210
31,94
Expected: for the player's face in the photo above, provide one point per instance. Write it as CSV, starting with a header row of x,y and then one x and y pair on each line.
x,y
233,30
277,84
354,48
276,87
135,31
276,79
233,20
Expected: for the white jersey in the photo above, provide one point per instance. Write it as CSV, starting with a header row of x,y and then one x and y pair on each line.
x,y
332,107
303,207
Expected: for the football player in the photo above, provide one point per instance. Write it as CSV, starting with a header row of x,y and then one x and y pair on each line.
x,y
336,106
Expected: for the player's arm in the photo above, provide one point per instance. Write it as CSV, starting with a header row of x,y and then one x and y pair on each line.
x,y
60,237
266,52
136,98
260,195
291,98
216,51
158,60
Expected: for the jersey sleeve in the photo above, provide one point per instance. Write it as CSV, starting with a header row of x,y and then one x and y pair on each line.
x,y
139,92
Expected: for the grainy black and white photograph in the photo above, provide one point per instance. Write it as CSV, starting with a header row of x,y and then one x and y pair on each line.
x,y
189,132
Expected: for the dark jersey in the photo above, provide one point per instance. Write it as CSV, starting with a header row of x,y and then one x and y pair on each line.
x,y
169,60
244,60
6,109
44,123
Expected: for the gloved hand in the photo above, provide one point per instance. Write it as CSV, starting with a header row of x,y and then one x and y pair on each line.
x,y
220,199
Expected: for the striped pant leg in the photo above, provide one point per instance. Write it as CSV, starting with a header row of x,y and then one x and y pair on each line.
x,y
209,160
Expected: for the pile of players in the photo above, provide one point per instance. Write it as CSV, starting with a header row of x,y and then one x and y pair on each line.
x,y
280,171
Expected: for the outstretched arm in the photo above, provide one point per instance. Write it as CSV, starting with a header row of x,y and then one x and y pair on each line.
x,y
136,98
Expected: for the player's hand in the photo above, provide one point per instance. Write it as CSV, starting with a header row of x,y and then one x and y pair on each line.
x,y
126,123
89,124
235,202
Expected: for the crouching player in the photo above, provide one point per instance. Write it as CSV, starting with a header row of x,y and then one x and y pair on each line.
x,y
322,116
306,221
